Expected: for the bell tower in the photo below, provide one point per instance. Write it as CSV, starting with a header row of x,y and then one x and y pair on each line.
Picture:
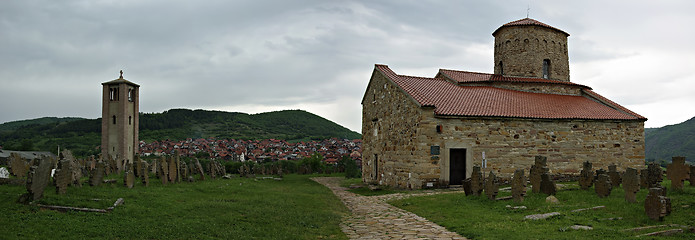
x,y
529,48
119,121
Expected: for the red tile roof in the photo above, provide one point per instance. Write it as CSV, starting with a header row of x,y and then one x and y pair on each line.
x,y
473,77
528,22
450,99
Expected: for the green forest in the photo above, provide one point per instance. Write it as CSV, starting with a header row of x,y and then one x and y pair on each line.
x,y
669,141
83,136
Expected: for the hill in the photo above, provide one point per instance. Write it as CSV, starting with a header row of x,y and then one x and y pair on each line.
x,y
82,136
673,140
14,125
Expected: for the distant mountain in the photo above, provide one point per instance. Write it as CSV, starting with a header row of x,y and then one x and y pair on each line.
x,y
669,141
82,136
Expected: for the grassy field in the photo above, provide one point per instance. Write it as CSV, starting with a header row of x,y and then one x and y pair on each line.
x,y
480,218
238,208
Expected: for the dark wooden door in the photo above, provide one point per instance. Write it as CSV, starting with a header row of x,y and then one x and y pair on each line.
x,y
457,166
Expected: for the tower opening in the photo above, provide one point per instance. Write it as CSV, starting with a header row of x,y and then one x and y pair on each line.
x,y
546,68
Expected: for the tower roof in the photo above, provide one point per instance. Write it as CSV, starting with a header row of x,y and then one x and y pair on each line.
x,y
528,22
120,80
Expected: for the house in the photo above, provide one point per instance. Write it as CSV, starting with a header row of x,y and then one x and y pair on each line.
x,y
435,129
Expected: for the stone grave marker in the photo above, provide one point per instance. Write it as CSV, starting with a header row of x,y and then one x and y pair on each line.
x,y
38,178
199,168
183,170
63,176
643,178
129,177
547,185
18,166
677,172
631,184
586,176
657,206
4,173
178,166
138,170
163,171
173,169
614,175
603,185
467,187
654,175
492,186
145,177
518,185
213,169
476,181
539,167
97,175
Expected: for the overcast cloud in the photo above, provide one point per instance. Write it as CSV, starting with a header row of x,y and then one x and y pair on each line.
x,y
258,56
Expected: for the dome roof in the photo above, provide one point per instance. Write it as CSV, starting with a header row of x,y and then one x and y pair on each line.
x,y
528,22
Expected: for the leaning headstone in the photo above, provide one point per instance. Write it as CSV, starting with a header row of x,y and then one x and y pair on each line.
x,y
654,175
199,168
37,180
586,176
631,184
657,206
492,186
603,185
539,167
614,175
519,185
677,172
547,185
4,173
97,175
63,176
18,166
476,181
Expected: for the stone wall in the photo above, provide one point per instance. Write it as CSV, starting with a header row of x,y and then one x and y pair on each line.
x,y
534,87
522,50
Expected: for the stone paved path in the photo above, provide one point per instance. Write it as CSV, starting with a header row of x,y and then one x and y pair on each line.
x,y
373,218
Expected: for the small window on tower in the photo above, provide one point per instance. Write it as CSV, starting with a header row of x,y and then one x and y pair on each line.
x,y
114,119
546,68
501,68
130,120
130,94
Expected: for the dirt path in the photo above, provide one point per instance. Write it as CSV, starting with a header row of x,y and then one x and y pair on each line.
x,y
373,218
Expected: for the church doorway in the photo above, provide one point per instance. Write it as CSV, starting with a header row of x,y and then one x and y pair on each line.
x,y
457,166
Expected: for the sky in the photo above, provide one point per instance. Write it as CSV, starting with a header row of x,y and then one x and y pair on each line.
x,y
318,55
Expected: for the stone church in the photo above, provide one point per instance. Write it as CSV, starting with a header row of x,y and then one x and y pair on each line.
x,y
423,131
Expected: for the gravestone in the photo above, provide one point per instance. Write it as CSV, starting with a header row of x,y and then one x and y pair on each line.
x,y
18,166
677,172
199,168
539,167
183,170
145,177
467,187
654,175
173,170
38,178
643,178
476,181
547,185
178,166
631,184
63,176
603,185
97,175
129,177
163,171
518,185
586,176
138,171
75,168
657,206
614,175
4,173
492,186
213,169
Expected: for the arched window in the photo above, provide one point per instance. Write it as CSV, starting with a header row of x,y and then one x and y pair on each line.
x,y
114,119
546,68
